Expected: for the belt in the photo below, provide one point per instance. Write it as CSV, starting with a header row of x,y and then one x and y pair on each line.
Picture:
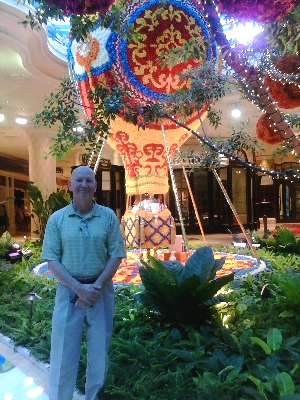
x,y
87,281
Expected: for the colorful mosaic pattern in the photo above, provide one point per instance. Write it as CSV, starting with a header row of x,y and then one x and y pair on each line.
x,y
128,273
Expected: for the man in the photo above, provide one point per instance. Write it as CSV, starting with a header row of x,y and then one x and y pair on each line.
x,y
83,247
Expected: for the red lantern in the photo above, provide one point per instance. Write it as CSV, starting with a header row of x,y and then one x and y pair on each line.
x,y
81,6
265,132
263,11
287,95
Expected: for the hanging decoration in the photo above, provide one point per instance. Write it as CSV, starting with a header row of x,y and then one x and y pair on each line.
x,y
265,132
284,34
263,11
285,93
80,7
251,79
134,64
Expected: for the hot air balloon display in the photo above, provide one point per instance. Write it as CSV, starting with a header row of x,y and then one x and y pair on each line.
x,y
135,63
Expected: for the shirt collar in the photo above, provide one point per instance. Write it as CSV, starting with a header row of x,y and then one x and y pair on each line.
x,y
95,211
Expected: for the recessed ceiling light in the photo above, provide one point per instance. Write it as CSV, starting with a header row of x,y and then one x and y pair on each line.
x,y
2,117
21,121
236,113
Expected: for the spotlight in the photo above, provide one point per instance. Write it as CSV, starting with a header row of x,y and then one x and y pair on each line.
x,y
236,113
21,121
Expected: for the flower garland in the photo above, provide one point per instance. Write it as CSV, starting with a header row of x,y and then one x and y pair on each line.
x,y
286,94
251,77
263,11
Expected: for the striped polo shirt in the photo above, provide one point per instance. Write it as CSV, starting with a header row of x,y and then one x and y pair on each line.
x,y
83,243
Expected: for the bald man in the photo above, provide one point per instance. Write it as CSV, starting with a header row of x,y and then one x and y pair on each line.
x,y
83,247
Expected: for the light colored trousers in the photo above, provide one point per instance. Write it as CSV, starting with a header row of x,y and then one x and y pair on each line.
x,y
67,326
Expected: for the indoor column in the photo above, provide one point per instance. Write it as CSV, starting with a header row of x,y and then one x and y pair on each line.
x,y
42,165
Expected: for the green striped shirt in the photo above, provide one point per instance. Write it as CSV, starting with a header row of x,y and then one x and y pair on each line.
x,y
83,244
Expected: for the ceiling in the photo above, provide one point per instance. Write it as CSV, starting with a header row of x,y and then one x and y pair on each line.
x,y
29,72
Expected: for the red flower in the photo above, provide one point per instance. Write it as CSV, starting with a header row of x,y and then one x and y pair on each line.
x,y
81,6
265,132
263,11
287,95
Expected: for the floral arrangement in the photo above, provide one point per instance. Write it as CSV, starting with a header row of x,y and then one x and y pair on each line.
x,y
286,94
81,7
265,132
263,11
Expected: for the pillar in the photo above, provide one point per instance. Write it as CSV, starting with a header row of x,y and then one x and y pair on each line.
x,y
10,193
42,165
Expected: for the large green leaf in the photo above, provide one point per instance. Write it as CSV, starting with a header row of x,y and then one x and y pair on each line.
x,y
202,264
285,384
274,339
262,344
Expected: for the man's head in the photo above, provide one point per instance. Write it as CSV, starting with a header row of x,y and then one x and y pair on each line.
x,y
83,184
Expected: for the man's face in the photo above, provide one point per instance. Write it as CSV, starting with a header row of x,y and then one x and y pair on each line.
x,y
83,184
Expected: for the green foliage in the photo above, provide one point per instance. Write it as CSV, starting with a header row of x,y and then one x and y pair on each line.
x,y
281,241
289,285
62,110
183,294
193,49
42,209
284,237
284,35
153,360
6,240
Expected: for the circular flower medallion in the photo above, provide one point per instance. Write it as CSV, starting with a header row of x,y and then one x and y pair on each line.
x,y
94,55
157,28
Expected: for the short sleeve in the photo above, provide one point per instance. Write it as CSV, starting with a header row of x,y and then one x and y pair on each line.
x,y
52,249
115,241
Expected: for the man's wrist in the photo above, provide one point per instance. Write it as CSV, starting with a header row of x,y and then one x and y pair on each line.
x,y
98,285
76,286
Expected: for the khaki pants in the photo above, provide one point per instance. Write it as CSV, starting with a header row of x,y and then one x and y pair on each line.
x,y
67,325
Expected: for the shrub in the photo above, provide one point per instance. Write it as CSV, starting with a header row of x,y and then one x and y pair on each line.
x,y
183,295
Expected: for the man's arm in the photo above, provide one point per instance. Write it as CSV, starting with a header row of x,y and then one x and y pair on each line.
x,y
108,272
